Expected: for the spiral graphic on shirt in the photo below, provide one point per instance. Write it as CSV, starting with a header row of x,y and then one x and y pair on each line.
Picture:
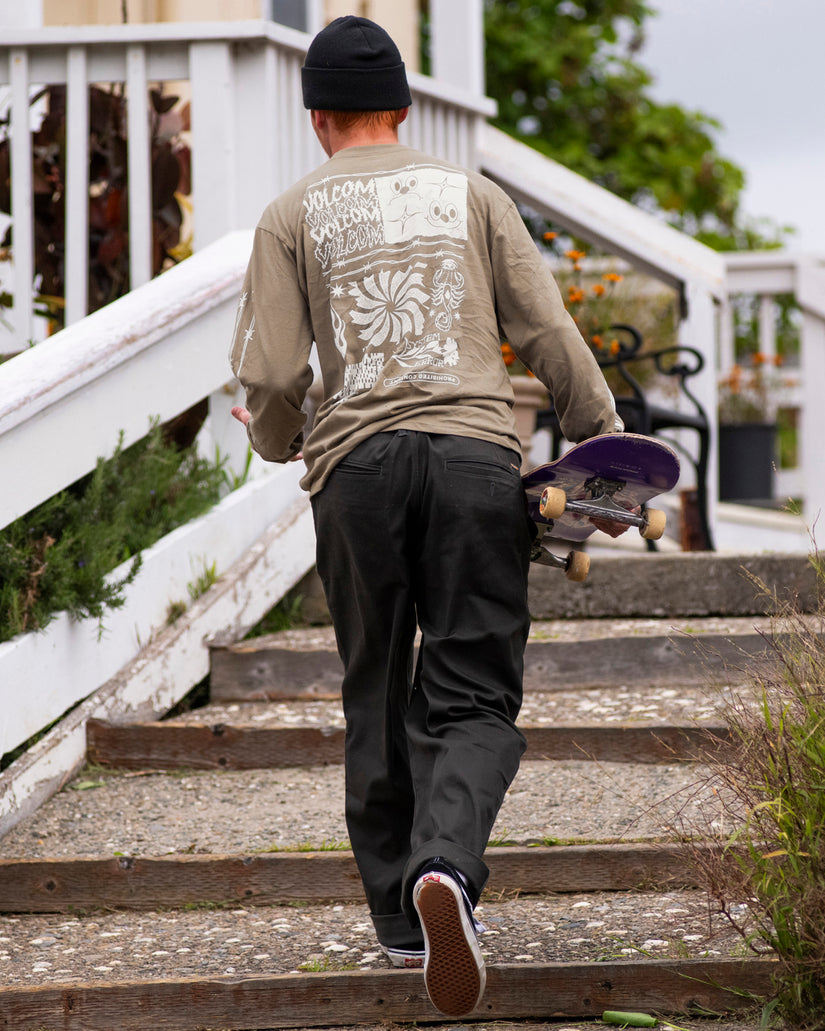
x,y
390,305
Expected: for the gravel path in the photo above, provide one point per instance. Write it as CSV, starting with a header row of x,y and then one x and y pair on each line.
x,y
223,812
209,942
577,706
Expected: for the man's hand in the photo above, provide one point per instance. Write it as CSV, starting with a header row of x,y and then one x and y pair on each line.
x,y
243,416
609,527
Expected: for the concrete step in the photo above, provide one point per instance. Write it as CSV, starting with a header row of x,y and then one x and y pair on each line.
x,y
627,583
561,653
256,940
675,585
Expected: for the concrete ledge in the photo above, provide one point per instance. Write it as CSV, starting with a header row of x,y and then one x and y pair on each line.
x,y
683,584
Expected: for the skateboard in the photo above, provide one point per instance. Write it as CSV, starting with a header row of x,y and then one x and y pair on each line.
x,y
610,477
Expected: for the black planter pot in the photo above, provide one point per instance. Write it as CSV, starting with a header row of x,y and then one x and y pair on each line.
x,y
747,460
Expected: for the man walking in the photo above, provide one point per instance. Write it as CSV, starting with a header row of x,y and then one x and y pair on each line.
x,y
406,271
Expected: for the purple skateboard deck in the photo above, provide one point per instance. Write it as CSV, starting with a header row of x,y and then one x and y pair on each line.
x,y
615,469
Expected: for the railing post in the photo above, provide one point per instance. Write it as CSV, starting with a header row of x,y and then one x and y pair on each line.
x,y
77,187
21,197
140,168
700,329
767,325
812,424
462,65
257,141
214,186
726,354
811,296
315,16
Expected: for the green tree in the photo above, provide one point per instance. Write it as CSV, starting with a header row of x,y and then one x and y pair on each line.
x,y
567,81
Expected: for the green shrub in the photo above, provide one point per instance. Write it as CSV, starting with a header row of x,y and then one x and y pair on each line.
x,y
769,880
57,557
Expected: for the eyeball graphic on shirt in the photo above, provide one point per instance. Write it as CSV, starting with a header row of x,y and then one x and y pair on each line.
x,y
446,215
403,185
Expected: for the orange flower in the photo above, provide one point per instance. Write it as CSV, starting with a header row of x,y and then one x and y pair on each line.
x,y
598,290
612,277
575,295
508,354
550,236
575,255
597,341
615,346
733,380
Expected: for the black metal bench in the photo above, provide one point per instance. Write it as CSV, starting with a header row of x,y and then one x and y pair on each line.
x,y
641,416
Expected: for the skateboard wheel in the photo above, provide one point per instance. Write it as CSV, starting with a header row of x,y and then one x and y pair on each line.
x,y
655,522
578,566
552,503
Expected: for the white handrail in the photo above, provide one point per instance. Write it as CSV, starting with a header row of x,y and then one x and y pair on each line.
x,y
64,403
599,216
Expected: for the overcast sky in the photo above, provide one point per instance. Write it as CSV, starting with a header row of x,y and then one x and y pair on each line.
x,y
758,66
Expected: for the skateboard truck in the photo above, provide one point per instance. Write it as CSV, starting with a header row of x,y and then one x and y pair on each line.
x,y
576,564
600,505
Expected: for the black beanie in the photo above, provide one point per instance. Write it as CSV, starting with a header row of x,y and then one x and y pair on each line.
x,y
353,65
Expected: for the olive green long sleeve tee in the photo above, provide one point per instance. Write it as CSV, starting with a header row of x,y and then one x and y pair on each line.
x,y
407,272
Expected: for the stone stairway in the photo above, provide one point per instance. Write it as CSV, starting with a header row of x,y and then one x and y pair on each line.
x,y
195,874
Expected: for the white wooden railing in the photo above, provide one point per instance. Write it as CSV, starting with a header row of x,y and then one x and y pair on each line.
x,y
765,275
63,404
250,138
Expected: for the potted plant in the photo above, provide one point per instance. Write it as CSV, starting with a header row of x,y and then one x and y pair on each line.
x,y
749,397
530,395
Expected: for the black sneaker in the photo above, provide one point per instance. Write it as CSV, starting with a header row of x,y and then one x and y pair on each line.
x,y
453,965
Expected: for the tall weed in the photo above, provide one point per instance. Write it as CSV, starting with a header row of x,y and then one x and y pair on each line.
x,y
769,879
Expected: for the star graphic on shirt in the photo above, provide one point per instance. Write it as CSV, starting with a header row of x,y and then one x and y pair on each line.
x,y
337,290
250,332
405,216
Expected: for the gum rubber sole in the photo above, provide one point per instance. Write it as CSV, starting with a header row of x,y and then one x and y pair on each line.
x,y
454,971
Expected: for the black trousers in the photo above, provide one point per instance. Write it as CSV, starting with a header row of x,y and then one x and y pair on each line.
x,y
428,531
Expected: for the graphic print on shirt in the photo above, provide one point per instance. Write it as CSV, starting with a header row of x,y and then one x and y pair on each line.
x,y
392,247
448,293
390,306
